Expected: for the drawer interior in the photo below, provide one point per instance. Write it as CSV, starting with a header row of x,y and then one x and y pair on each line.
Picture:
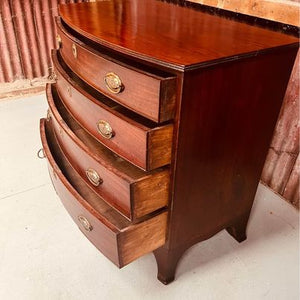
x,y
128,189
108,157
102,209
115,236
112,105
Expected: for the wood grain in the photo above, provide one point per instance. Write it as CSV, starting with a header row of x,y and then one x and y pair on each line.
x,y
119,178
159,146
130,136
228,114
230,82
167,34
132,241
120,241
228,138
150,194
142,91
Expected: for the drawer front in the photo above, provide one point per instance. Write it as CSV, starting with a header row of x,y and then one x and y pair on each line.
x,y
115,190
134,194
119,240
126,137
150,95
103,237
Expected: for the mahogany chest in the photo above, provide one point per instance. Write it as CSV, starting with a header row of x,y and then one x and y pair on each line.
x,y
159,123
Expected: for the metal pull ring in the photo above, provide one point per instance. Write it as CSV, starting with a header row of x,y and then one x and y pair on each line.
x,y
41,153
105,129
85,223
93,177
113,83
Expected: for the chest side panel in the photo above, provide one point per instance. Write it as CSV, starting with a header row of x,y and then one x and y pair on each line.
x,y
228,114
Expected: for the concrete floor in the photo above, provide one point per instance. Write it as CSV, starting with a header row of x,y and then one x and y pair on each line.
x,y
44,256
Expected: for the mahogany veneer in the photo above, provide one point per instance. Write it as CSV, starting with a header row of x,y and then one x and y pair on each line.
x,y
188,99
133,192
132,140
112,234
148,94
159,32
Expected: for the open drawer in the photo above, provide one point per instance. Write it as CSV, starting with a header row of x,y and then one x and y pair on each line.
x,y
115,236
149,94
133,192
136,139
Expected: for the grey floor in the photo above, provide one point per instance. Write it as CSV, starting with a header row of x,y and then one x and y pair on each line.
x,y
44,256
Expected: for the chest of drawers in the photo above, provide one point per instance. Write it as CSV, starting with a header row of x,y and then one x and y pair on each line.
x,y
159,123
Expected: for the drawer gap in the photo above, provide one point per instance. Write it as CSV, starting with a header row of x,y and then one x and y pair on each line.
x,y
111,159
105,100
116,219
117,238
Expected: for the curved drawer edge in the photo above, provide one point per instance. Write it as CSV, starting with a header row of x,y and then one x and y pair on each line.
x,y
58,173
123,243
154,96
143,193
152,142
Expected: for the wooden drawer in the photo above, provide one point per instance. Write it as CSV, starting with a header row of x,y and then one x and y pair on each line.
x,y
116,237
141,142
148,94
132,191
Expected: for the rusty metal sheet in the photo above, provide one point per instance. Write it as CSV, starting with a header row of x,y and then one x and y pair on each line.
x,y
284,150
292,190
27,34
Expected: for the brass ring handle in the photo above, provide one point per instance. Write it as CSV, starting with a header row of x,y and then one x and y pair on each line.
x,y
41,154
59,41
93,177
105,129
74,50
113,83
53,77
85,223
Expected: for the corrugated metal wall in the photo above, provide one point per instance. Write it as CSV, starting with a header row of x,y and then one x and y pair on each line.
x,y
27,34
281,171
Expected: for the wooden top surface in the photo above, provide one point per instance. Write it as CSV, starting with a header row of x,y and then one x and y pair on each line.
x,y
168,34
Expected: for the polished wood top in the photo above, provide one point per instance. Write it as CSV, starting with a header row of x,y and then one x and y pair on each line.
x,y
166,33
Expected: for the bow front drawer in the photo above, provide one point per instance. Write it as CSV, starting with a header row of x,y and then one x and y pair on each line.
x,y
149,94
116,237
133,192
134,138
